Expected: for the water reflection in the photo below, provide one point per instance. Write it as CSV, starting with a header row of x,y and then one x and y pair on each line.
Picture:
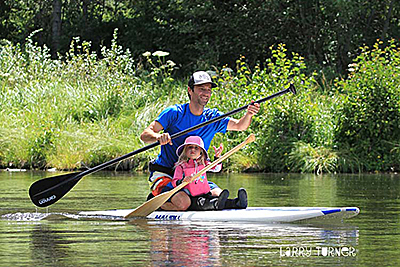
x,y
74,242
48,247
159,243
184,247
209,243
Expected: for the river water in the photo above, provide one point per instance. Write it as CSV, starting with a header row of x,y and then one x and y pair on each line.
x,y
370,239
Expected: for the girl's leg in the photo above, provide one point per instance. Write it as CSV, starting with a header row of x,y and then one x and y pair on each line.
x,y
209,202
238,203
214,188
216,192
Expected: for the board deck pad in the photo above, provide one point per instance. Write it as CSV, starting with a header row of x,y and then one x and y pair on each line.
x,y
251,214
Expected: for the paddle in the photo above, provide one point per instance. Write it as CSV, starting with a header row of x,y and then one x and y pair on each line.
x,y
48,191
157,201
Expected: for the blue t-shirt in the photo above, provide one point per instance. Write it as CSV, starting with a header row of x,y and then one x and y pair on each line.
x,y
178,118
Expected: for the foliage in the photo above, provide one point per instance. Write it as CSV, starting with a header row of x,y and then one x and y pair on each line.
x,y
56,104
200,34
369,119
307,117
83,109
305,158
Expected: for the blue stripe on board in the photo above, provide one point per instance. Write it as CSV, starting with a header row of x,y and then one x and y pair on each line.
x,y
325,212
284,208
353,209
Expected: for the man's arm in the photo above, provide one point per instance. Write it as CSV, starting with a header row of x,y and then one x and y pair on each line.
x,y
152,134
244,122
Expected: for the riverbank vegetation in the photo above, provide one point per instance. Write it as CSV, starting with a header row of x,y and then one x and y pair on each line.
x,y
84,108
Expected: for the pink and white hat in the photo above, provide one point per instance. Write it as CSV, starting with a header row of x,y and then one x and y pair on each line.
x,y
192,140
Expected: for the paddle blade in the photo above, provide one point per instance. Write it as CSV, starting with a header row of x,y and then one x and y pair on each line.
x,y
47,191
150,206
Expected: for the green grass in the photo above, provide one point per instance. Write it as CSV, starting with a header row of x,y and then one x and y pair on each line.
x,y
83,109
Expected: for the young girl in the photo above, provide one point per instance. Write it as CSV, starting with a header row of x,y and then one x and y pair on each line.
x,y
193,158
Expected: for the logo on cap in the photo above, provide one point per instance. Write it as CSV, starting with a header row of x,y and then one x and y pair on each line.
x,y
202,77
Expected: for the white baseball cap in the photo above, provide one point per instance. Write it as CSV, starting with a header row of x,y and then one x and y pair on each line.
x,y
200,77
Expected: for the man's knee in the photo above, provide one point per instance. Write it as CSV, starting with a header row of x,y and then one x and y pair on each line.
x,y
181,201
183,205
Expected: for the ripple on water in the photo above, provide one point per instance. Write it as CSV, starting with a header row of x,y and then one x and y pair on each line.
x,y
37,216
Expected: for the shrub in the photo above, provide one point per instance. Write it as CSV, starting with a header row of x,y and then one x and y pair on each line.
x,y
305,158
369,119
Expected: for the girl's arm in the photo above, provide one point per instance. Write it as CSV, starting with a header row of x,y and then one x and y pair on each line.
x,y
179,176
218,151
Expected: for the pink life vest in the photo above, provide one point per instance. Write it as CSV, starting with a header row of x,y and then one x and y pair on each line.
x,y
200,185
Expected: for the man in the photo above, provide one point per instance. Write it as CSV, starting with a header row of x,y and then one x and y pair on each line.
x,y
181,117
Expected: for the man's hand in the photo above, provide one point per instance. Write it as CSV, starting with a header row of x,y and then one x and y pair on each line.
x,y
164,139
152,134
253,108
244,122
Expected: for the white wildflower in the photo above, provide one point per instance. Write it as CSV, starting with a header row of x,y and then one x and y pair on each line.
x,y
160,54
171,63
146,54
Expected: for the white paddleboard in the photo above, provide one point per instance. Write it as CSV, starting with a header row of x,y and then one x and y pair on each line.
x,y
251,214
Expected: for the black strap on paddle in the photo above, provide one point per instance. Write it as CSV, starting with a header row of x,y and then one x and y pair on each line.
x,y
46,192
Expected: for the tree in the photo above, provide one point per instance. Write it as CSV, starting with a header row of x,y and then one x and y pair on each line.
x,y
56,28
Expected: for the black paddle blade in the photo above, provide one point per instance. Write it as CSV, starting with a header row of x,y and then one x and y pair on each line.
x,y
48,191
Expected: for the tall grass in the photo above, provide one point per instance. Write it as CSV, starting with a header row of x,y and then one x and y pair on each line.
x,y
84,109
78,111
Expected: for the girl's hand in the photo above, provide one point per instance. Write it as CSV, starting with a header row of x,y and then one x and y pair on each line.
x,y
188,178
218,151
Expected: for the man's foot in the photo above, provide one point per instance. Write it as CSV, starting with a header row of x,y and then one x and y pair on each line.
x,y
241,201
222,199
